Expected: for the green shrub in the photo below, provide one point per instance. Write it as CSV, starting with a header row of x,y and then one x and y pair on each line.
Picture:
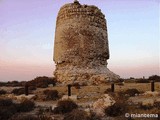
x,y
51,94
77,115
65,106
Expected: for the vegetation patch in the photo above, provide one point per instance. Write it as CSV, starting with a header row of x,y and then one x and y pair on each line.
x,y
28,117
42,82
116,109
51,94
8,108
77,115
131,92
18,91
25,106
108,90
65,106
2,92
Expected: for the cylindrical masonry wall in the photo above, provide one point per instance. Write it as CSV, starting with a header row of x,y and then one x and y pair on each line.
x,y
81,42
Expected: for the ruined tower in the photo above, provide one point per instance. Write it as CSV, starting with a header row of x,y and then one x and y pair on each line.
x,y
81,46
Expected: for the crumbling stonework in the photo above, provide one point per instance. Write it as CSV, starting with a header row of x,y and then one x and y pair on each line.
x,y
81,45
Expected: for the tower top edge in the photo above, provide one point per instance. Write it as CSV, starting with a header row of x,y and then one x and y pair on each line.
x,y
78,5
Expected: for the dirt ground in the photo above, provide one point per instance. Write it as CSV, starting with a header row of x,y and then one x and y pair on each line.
x,y
86,95
94,92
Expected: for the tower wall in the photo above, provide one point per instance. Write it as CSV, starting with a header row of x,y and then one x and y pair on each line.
x,y
81,43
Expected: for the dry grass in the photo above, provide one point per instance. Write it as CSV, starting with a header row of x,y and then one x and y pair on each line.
x,y
94,92
88,94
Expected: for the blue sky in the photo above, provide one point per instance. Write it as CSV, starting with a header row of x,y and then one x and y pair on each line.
x,y
27,30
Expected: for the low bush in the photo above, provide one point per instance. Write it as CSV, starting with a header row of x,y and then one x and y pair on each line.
x,y
27,117
18,91
41,85
5,102
142,81
116,109
129,80
93,116
131,92
65,106
119,96
2,83
51,94
42,82
76,85
120,105
31,117
5,114
25,106
157,104
2,92
45,117
121,80
155,78
13,83
108,90
7,109
31,88
146,107
120,84
77,115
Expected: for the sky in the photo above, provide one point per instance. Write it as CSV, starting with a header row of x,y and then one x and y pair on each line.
x,y
27,31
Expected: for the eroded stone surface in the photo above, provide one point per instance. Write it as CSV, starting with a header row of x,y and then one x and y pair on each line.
x,y
101,104
81,46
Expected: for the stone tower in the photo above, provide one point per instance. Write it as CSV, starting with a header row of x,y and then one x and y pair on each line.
x,y
81,46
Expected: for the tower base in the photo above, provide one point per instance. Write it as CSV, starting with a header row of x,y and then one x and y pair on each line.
x,y
87,76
